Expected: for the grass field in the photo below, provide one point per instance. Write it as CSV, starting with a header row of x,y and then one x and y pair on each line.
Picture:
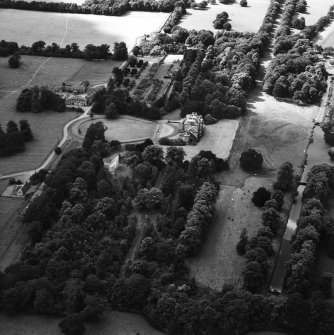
x,y
124,129
116,323
77,28
46,126
241,18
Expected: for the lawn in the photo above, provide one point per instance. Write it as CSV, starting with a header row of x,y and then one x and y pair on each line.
x,y
116,323
217,137
46,126
123,129
27,27
242,19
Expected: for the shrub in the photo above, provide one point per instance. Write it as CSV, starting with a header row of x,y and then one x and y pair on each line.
x,y
58,151
243,3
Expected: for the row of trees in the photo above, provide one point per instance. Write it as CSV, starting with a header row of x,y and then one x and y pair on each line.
x,y
37,99
258,250
13,139
100,7
90,51
311,229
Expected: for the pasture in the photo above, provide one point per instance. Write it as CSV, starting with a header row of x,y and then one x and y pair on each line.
x,y
241,18
27,27
46,126
116,323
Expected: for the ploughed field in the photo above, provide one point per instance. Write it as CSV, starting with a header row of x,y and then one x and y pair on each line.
x,y
27,27
242,19
46,126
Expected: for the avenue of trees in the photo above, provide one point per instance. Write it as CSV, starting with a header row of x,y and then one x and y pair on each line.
x,y
14,137
37,99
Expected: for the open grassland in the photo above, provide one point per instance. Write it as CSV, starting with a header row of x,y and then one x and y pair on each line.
x,y
116,323
278,130
241,18
27,27
316,9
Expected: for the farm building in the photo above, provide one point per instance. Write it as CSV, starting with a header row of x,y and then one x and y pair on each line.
x,y
191,128
75,89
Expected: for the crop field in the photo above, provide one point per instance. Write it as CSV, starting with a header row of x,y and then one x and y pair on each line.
x,y
116,323
82,29
241,18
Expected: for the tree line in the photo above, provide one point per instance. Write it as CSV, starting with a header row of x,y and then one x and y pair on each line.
x,y
100,7
90,51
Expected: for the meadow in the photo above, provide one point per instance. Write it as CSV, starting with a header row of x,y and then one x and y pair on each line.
x,y
27,27
241,18
46,126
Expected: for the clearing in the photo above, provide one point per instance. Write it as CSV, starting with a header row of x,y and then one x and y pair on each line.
x,y
242,19
117,323
82,29
36,71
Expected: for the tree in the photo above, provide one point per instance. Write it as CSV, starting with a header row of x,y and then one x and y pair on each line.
x,y
25,130
14,62
251,160
260,196
253,277
243,3
72,325
111,111
175,154
285,177
149,198
153,154
94,132
242,243
272,219
120,51
118,75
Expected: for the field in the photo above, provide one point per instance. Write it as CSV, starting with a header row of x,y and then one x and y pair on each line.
x,y
116,323
83,29
241,18
316,9
47,72
124,129
278,130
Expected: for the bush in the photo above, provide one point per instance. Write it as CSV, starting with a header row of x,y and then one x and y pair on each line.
x,y
251,160
243,3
